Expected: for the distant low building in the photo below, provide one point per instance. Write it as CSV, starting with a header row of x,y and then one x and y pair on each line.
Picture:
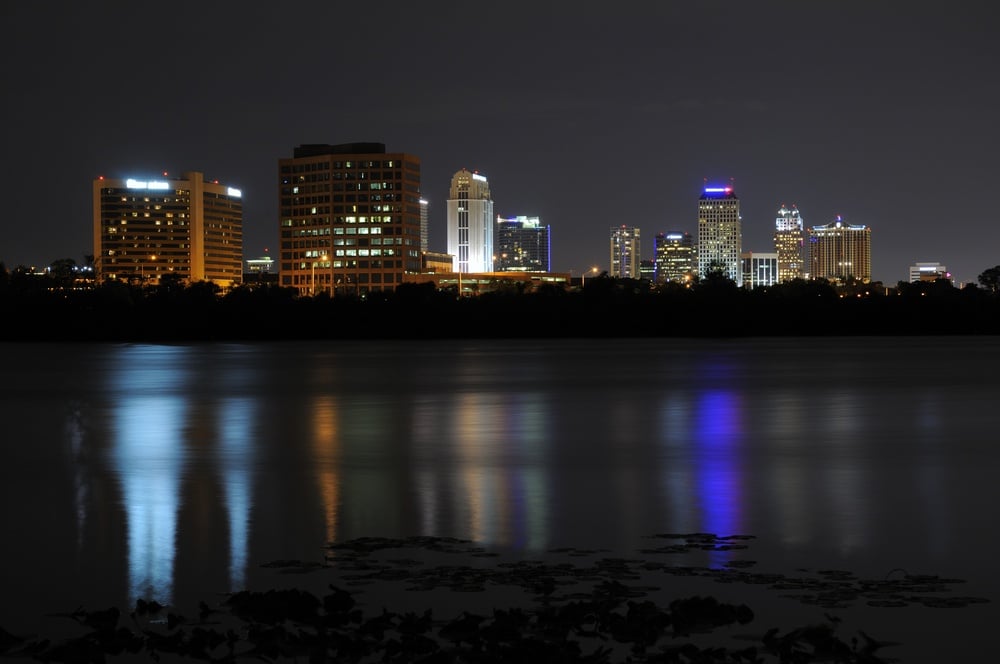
x,y
928,272
647,270
759,269
260,271
477,283
435,261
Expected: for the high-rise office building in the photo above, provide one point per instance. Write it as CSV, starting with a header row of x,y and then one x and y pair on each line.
x,y
759,269
625,255
145,229
839,251
424,224
720,233
522,245
349,218
674,257
789,244
470,222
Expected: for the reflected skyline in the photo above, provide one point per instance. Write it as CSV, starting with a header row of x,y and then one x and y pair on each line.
x,y
221,459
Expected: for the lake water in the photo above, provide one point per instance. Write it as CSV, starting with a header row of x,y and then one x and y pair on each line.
x,y
173,472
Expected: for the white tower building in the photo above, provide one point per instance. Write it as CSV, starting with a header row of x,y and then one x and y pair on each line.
x,y
470,222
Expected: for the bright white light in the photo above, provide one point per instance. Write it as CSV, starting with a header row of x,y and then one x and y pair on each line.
x,y
234,192
477,176
132,183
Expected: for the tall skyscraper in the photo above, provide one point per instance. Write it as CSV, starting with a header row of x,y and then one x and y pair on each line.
x,y
522,245
673,256
720,233
424,224
470,222
349,218
625,255
145,229
789,244
838,251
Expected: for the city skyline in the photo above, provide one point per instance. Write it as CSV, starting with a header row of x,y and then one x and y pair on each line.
x,y
610,115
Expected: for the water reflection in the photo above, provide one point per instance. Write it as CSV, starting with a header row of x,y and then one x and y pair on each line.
x,y
718,435
483,455
235,455
326,454
480,466
149,454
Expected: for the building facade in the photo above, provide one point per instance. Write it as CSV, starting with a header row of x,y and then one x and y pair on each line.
x,y
625,257
349,218
470,222
674,257
928,272
522,245
839,252
424,223
760,269
146,229
720,233
789,244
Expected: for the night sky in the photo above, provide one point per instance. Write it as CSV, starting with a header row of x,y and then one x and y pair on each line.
x,y
587,114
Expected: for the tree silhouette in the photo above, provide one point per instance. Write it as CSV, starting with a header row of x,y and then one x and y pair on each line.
x,y
990,279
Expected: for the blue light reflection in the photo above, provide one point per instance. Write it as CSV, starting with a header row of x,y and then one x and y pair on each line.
x,y
718,432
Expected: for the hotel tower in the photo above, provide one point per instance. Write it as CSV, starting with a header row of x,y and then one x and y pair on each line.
x,y
148,228
839,251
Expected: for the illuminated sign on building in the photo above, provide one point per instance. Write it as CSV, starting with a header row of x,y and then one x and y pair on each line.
x,y
143,184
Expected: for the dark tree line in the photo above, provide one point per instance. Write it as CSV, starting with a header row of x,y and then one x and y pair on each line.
x,y
50,307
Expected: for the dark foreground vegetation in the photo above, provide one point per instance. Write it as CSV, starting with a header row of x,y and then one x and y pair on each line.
x,y
587,607
41,308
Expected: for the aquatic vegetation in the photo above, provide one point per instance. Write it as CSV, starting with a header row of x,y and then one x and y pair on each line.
x,y
589,612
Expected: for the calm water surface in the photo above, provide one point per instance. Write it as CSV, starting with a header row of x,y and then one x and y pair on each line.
x,y
173,472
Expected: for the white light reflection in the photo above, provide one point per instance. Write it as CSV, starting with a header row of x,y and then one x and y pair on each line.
x,y
530,493
149,458
844,475
677,479
235,454
148,455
